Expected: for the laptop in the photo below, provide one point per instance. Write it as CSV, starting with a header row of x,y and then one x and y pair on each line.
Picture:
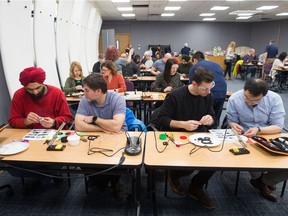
x,y
254,62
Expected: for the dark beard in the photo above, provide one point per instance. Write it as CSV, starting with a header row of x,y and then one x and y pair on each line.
x,y
39,95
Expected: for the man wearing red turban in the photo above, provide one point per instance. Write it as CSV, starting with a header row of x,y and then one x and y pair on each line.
x,y
37,105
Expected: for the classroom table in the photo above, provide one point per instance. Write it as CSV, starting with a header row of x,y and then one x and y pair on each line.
x,y
179,157
77,155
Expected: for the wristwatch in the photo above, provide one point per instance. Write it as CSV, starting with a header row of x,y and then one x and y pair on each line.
x,y
94,119
259,131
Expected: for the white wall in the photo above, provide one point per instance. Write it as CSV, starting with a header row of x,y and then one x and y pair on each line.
x,y
58,33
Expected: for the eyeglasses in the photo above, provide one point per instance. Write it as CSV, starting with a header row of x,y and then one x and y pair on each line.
x,y
254,102
205,88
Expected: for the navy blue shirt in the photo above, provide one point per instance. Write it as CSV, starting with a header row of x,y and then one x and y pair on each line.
x,y
185,51
220,88
272,51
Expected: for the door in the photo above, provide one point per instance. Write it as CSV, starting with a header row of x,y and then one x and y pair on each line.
x,y
121,41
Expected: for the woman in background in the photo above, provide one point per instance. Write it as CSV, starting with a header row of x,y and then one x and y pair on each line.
x,y
169,79
230,54
114,80
278,64
112,54
74,81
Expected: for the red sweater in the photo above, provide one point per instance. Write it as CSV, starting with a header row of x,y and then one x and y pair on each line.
x,y
117,82
53,104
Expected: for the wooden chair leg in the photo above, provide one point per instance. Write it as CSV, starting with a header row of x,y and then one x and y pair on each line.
x,y
283,188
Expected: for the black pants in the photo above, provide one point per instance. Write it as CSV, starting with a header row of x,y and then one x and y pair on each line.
x,y
199,180
228,68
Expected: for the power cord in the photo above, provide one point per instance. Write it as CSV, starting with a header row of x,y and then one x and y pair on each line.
x,y
121,161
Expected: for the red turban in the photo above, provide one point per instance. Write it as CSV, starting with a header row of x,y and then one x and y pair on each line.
x,y
32,74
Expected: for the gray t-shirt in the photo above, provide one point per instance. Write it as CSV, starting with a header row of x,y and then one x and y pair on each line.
x,y
113,105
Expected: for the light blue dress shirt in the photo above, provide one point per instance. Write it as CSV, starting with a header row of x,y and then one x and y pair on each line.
x,y
270,111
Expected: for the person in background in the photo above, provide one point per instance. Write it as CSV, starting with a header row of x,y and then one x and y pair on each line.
x,y
220,89
146,62
137,60
230,55
185,50
112,54
184,66
97,66
128,48
254,111
169,79
74,81
247,59
159,65
278,64
190,108
114,80
102,110
37,105
271,52
159,51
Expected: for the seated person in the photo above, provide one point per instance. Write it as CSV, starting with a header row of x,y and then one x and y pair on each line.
x,y
184,66
256,110
101,110
37,106
169,79
74,81
190,108
159,65
114,80
278,64
146,62
96,67
247,60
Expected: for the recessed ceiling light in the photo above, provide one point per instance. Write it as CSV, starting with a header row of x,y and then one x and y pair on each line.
x,y
177,0
207,14
172,8
124,8
209,19
120,0
267,7
219,8
244,17
168,14
128,15
282,14
245,12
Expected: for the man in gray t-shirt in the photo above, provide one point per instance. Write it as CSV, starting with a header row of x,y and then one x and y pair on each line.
x,y
99,109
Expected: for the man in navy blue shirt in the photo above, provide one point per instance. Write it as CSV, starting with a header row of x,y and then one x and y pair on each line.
x,y
271,52
185,50
219,90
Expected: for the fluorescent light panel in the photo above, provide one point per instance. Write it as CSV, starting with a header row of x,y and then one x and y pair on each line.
x,y
124,8
209,19
207,14
128,15
177,0
244,17
267,7
168,14
219,8
120,0
282,14
172,8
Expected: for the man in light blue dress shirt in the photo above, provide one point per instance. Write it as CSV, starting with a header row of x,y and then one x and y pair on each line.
x,y
256,110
